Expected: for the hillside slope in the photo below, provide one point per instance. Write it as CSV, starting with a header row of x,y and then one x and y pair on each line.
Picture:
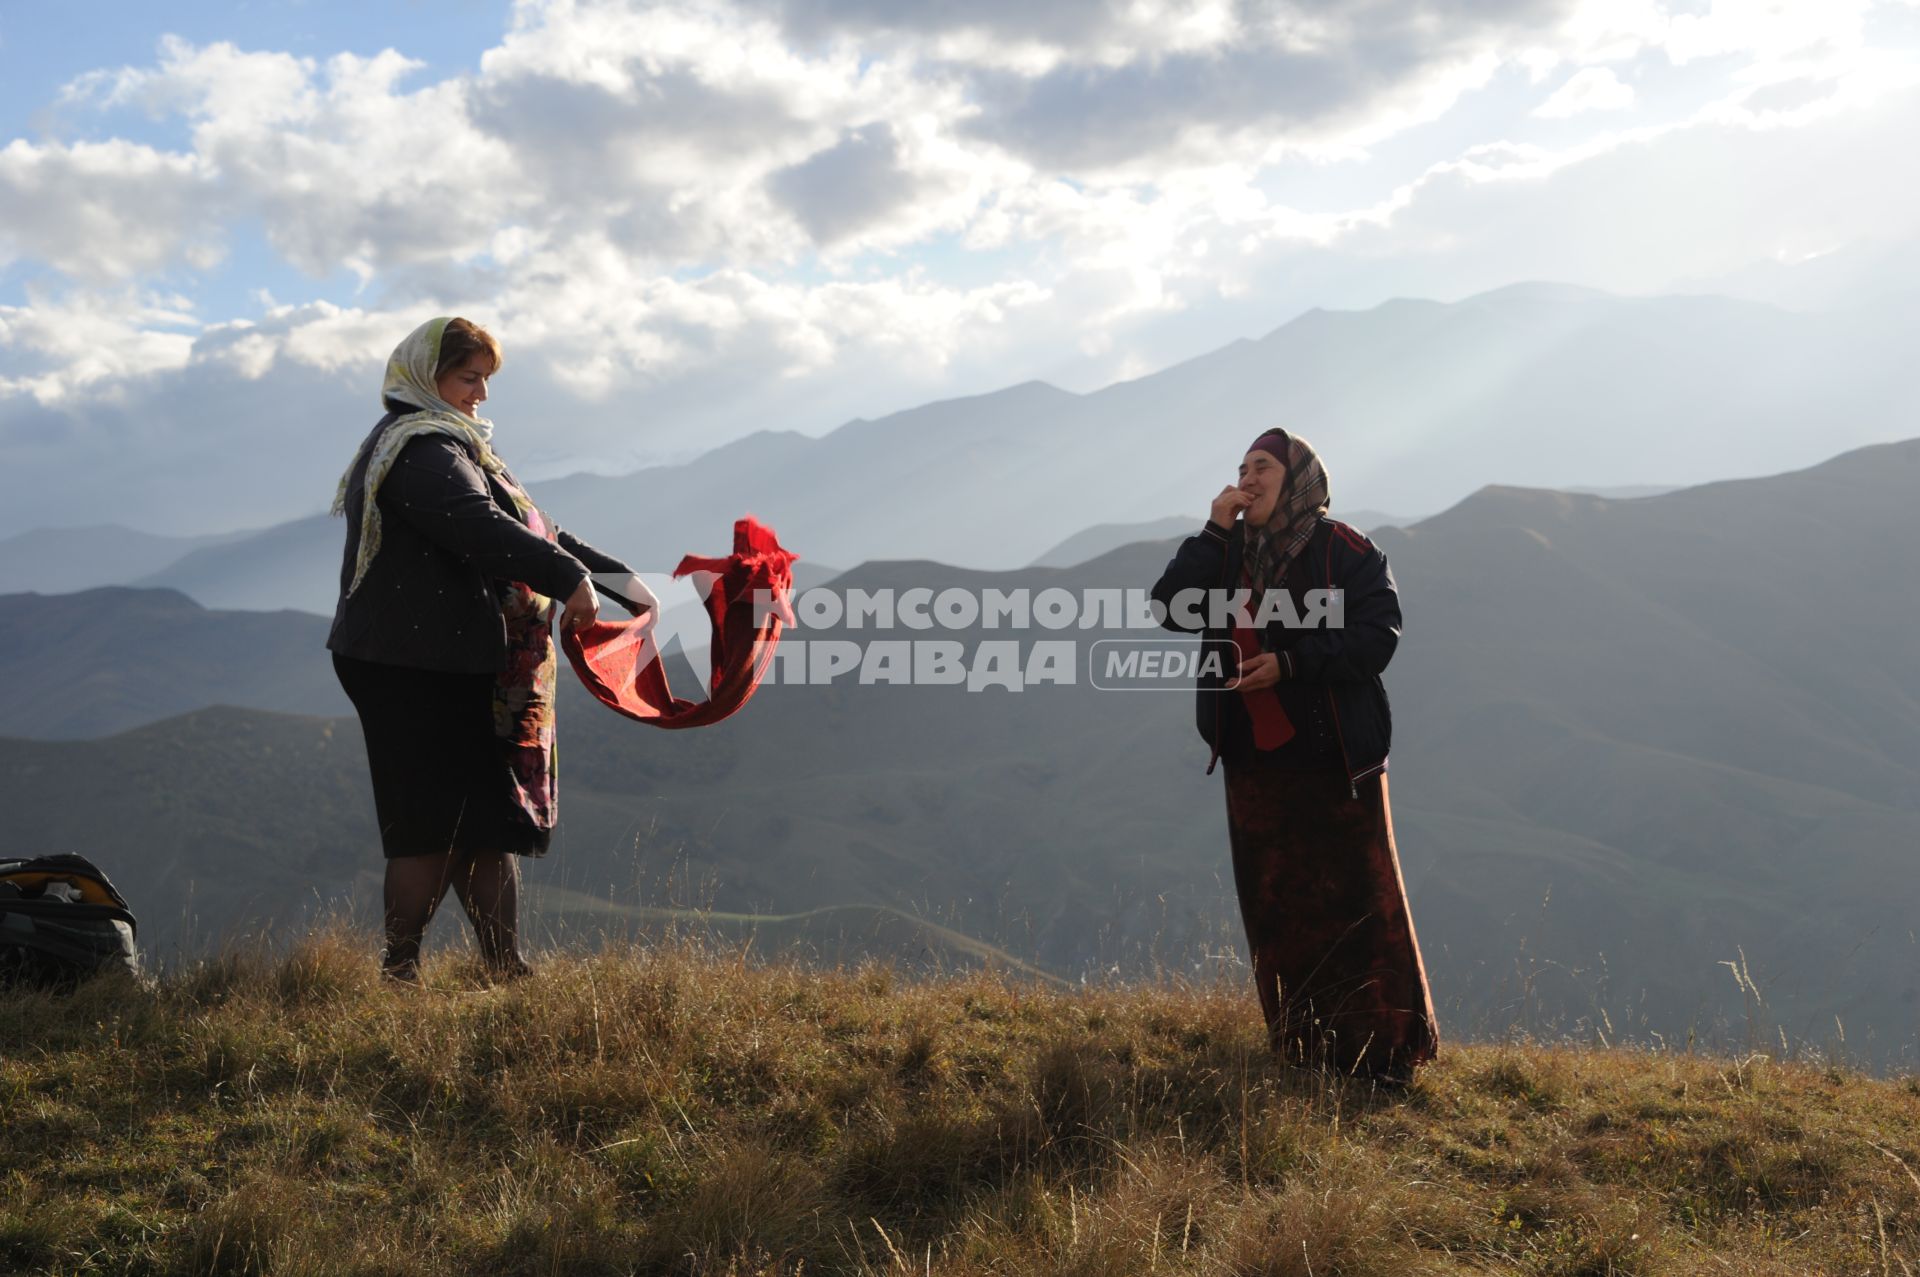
x,y
1627,755
689,1111
99,661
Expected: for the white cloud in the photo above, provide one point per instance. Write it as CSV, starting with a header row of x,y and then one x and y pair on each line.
x,y
1592,89
755,135
218,82
341,165
698,134
1649,208
1767,30
103,211
667,209
57,347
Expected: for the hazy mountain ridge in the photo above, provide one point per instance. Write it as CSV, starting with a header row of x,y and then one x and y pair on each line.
x,y
290,565
1677,703
1102,538
1413,403
61,560
103,660
1608,778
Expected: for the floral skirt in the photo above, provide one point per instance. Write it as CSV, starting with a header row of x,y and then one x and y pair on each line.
x,y
444,778
1335,959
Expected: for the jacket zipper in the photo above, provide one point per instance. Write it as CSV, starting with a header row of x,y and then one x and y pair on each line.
x,y
1346,763
1214,758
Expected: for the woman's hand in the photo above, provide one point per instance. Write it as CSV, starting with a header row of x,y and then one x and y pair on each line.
x,y
1228,505
1256,672
581,608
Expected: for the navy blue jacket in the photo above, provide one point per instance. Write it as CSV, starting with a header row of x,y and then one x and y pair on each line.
x,y
448,532
1343,664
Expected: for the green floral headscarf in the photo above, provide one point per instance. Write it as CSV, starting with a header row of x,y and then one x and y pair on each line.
x,y
410,380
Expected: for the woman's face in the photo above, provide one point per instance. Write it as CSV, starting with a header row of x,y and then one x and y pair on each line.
x,y
465,384
1263,479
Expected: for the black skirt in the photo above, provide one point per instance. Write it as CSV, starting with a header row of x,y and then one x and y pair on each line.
x,y
441,779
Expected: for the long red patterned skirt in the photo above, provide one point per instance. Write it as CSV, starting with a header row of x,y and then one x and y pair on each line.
x,y
1335,958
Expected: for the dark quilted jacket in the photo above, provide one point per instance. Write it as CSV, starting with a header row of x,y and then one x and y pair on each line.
x,y
448,532
1343,664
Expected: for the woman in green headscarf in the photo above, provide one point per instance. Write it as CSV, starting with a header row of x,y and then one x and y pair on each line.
x,y
443,640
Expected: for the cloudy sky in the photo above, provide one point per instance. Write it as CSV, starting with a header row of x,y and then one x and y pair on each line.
x,y
690,221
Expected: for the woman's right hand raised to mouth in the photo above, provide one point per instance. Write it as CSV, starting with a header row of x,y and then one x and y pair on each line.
x,y
1228,505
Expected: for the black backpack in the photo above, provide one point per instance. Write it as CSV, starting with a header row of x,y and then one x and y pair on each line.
x,y
61,921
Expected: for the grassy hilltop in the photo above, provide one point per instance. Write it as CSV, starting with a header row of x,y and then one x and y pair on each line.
x,y
682,1110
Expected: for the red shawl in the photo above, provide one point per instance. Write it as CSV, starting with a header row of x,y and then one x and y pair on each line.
x,y
620,663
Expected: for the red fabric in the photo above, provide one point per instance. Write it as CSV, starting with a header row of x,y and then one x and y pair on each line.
x,y
620,663
1271,726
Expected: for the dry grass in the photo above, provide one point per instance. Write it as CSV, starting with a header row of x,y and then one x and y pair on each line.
x,y
684,1111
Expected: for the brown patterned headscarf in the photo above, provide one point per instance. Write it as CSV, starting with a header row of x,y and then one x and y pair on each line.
x,y
1296,511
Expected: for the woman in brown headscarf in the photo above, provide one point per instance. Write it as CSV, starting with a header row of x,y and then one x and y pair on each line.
x,y
1295,708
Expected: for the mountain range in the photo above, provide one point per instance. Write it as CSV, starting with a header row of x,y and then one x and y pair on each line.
x,y
100,661
62,560
1413,404
1641,745
1091,543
